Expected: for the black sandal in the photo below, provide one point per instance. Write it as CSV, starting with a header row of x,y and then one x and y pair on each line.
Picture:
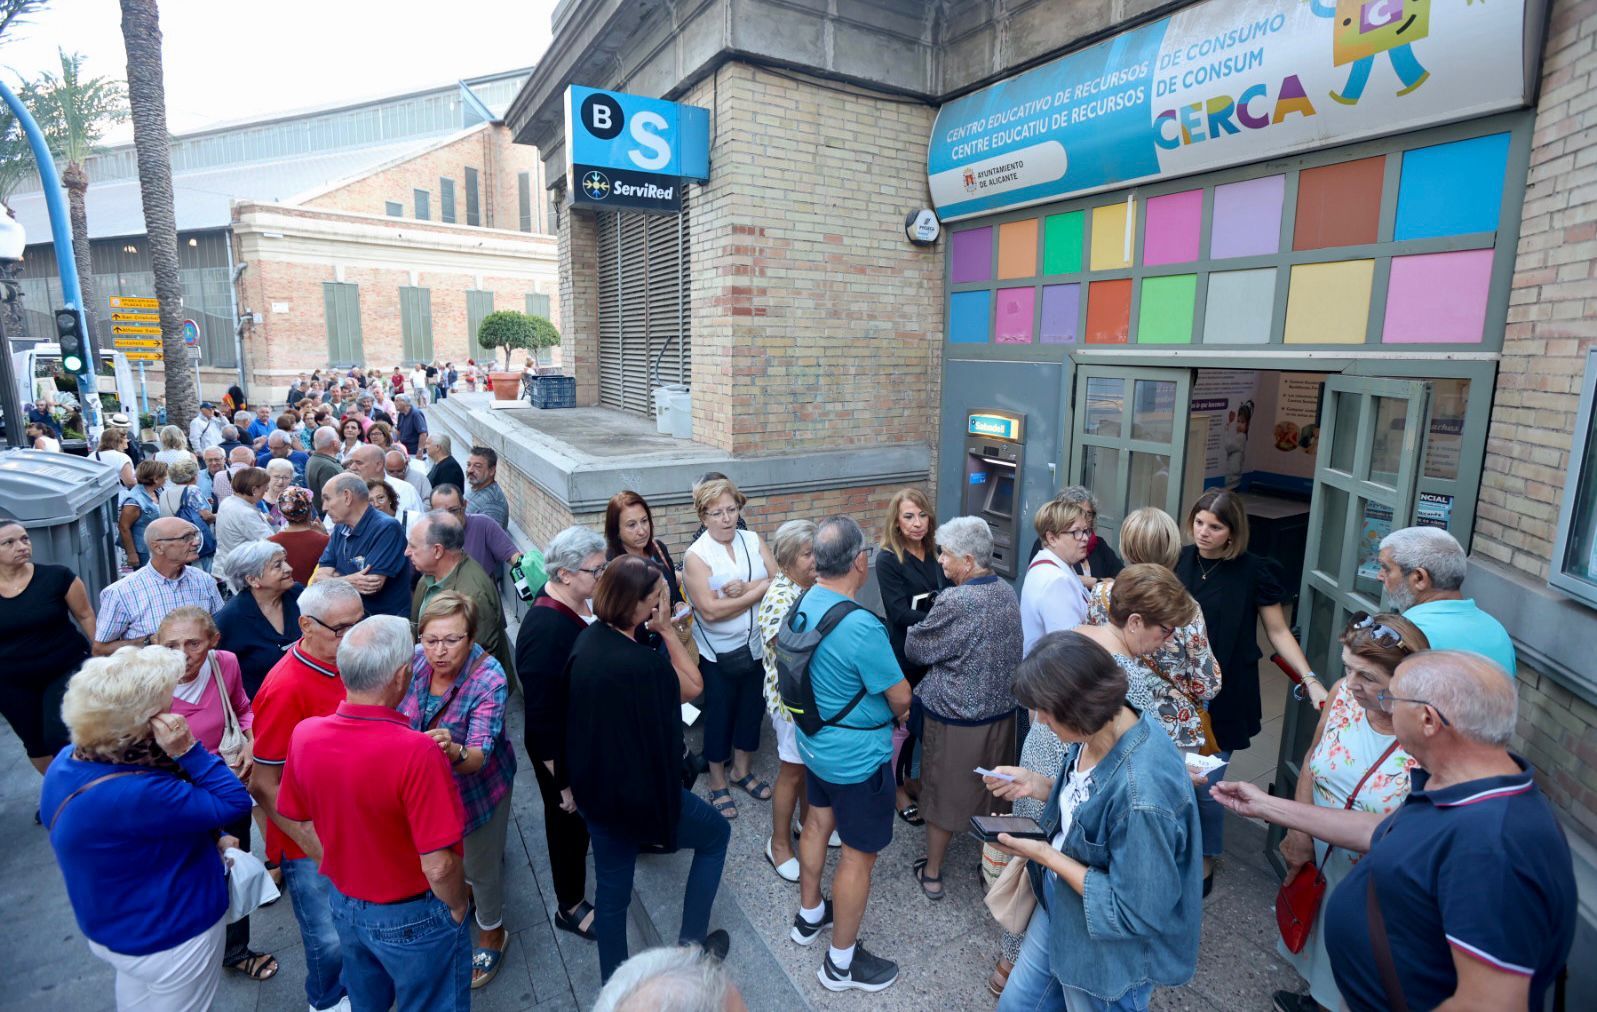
x,y
255,965
924,880
910,813
572,922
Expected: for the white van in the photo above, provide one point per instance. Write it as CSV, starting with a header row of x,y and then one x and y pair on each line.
x,y
38,366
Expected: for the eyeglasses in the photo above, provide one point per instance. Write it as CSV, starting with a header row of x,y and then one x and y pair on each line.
x,y
1081,534
722,514
1385,635
191,536
1384,699
338,631
433,642
595,572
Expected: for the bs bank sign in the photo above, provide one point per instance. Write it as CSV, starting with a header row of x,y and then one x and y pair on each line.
x,y
1228,82
627,152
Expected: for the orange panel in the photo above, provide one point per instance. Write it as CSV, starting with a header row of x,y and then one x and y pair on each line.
x,y
1339,205
1109,312
1017,249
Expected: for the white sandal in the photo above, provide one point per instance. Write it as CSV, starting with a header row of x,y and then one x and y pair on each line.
x,y
788,870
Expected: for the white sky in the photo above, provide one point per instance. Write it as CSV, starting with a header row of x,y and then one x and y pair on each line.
x,y
228,60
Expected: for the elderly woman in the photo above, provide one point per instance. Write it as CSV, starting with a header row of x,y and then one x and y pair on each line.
x,y
239,519
793,545
385,500
1053,598
280,477
261,620
1353,762
139,508
727,572
301,537
173,442
970,644
457,697
574,561
629,530
132,809
1100,562
624,757
1123,784
210,696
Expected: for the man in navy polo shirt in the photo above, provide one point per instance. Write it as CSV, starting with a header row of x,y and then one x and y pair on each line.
x,y
1470,881
367,547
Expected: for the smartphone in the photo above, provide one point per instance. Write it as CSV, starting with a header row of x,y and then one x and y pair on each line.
x,y
1021,828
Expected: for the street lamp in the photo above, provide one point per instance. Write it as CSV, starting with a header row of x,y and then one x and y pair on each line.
x,y
13,240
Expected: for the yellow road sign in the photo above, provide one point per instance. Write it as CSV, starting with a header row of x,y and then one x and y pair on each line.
x,y
135,328
133,302
125,343
135,317
143,356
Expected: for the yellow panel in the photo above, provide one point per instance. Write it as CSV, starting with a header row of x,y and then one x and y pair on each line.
x,y
1329,303
1110,249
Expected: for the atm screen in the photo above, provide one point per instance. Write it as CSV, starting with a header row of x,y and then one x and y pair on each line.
x,y
1001,496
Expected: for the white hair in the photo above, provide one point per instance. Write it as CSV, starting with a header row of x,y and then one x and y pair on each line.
x,y
277,465
1473,691
568,548
324,436
373,650
321,597
1431,549
249,560
967,536
110,701
669,979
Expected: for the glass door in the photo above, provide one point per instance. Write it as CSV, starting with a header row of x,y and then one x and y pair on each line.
x,y
1129,440
1372,439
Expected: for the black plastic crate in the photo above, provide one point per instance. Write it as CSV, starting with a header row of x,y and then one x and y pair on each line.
x,y
554,391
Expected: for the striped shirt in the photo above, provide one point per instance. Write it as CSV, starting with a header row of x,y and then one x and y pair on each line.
x,y
133,607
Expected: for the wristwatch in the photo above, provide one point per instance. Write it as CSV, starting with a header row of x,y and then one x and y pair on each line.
x,y
460,756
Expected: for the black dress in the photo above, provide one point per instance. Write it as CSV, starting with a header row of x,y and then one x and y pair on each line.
x,y
900,582
1231,595
40,649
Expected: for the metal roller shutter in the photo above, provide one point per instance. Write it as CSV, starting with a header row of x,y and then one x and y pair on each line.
x,y
644,332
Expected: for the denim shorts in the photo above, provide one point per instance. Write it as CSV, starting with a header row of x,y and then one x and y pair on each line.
x,y
864,811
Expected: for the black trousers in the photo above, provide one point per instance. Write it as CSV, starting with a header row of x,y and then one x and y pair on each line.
x,y
567,836
238,933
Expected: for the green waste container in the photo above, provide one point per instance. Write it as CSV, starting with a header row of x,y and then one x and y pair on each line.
x,y
68,505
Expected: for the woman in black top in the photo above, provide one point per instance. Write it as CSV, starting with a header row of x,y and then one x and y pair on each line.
x,y
543,646
40,648
1236,589
907,569
624,757
261,620
629,530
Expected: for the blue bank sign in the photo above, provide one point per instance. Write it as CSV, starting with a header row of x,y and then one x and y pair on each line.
x,y
1228,82
627,152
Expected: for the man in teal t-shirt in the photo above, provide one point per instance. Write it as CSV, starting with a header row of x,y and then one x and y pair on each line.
x,y
1423,569
848,775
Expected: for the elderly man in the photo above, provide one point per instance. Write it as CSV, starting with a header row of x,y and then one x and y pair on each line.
x,y
215,475
322,464
367,546
1466,894
261,425
205,430
445,468
410,428
436,547
382,800
400,468
485,496
232,437
486,541
304,684
131,609
366,460
42,414
281,444
677,977
1422,569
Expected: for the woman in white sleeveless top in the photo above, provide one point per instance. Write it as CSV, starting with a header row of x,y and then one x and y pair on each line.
x,y
726,573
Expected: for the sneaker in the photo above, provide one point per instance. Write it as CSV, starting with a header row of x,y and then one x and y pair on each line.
x,y
1291,1001
803,931
865,973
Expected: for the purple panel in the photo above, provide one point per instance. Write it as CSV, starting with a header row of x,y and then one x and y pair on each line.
x,y
972,253
1016,310
1061,312
1247,218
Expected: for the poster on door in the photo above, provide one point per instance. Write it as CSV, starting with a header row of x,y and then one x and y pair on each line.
x,y
1228,397
1286,437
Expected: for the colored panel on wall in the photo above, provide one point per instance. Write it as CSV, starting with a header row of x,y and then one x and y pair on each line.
x,y
1329,303
1164,316
1247,218
971,253
1438,298
1239,307
1109,311
1017,308
1171,228
1451,189
1061,243
969,314
1339,205
1017,249
1112,230
1061,311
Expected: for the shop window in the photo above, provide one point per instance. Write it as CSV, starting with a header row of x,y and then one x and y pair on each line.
x,y
473,213
1062,237
1061,306
1173,221
394,209
1339,205
1438,298
1329,303
1574,568
1452,189
446,200
971,256
416,323
1240,307
1112,226
341,303
1017,309
1164,314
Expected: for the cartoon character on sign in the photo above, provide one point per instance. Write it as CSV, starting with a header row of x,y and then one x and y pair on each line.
x,y
1363,29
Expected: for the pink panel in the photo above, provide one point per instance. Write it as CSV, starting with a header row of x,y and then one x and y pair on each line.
x,y
1016,309
1171,235
1438,298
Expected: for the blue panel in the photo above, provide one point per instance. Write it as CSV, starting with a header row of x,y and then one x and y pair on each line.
x,y
614,130
1452,189
970,317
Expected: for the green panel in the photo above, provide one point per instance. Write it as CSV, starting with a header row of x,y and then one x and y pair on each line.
x,y
416,321
472,215
1062,236
524,200
446,200
422,200
341,304
537,305
478,305
1165,316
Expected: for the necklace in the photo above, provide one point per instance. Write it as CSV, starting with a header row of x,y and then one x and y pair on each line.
x,y
1205,572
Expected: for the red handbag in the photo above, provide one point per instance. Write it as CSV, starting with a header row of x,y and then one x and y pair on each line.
x,y
1297,902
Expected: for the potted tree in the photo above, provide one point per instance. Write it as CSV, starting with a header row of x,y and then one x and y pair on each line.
x,y
507,329
544,336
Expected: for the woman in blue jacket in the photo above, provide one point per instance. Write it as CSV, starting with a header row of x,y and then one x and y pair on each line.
x,y
133,806
1119,878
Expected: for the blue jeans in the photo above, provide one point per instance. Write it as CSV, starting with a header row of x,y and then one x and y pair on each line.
x,y
1211,814
701,829
412,954
1033,987
308,891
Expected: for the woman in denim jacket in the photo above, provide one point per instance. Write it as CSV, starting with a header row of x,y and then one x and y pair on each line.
x,y
1119,878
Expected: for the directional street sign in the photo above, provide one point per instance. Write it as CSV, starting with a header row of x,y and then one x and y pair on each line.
x,y
142,356
133,302
122,317
136,328
125,343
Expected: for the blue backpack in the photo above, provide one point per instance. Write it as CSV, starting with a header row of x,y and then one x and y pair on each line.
x,y
188,511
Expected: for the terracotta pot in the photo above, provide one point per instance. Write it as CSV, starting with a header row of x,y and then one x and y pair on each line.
x,y
507,385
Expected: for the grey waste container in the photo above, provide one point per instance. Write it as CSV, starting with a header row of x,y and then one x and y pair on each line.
x,y
68,505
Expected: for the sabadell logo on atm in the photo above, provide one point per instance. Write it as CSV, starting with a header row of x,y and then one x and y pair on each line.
x,y
996,426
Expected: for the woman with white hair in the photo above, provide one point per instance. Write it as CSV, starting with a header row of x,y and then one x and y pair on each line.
x,y
132,809
173,443
970,644
261,620
279,478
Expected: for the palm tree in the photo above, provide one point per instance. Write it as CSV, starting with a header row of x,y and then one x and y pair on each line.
x,y
141,37
73,112
16,164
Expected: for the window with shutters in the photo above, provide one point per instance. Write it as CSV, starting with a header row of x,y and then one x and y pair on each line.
x,y
644,332
472,215
423,199
524,199
394,208
416,323
478,305
341,302
537,305
446,201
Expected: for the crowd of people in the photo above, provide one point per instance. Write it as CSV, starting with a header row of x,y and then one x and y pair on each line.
x,y
310,634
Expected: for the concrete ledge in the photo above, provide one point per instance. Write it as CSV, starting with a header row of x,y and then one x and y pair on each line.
x,y
1552,632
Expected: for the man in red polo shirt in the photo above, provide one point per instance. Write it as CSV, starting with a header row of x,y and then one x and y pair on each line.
x,y
304,684
384,804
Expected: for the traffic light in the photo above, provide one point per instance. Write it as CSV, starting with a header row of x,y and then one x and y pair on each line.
x,y
75,349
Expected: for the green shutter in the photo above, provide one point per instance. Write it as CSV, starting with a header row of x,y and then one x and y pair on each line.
x,y
524,199
341,302
416,323
473,217
478,305
422,199
446,200
537,305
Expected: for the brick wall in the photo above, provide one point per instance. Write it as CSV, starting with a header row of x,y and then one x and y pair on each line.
x,y
579,295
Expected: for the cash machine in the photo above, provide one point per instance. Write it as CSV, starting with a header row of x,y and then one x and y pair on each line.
x,y
994,451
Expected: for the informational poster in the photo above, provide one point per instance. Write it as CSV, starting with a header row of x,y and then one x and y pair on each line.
x,y
1445,440
1227,396
1286,439
1377,525
1434,510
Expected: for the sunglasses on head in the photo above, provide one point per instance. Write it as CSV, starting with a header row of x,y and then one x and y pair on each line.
x,y
1385,635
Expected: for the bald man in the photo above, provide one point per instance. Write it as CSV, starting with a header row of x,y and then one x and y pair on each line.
x,y
366,460
131,609
400,467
